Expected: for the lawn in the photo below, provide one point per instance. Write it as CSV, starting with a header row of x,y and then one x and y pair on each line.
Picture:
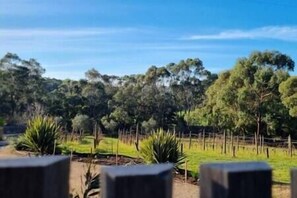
x,y
278,159
106,146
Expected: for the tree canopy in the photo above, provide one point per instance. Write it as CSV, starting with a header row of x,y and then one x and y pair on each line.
x,y
246,99
256,95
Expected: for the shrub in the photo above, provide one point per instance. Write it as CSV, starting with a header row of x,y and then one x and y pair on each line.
x,y
161,147
81,123
150,125
40,136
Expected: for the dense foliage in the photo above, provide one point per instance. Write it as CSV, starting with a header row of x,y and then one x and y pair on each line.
x,y
82,123
41,136
161,147
256,95
151,100
246,99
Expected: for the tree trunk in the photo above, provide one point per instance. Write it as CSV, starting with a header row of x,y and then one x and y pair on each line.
x,y
259,120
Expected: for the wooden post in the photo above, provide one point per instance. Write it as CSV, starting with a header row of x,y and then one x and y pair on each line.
x,y
290,145
260,140
130,137
137,181
95,136
232,140
213,141
256,143
35,177
199,140
225,143
111,147
190,143
263,144
233,151
137,133
203,140
137,138
230,180
117,152
267,153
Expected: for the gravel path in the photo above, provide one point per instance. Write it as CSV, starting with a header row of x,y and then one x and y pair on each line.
x,y
180,189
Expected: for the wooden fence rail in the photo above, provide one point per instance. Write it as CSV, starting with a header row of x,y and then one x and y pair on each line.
x,y
224,143
48,177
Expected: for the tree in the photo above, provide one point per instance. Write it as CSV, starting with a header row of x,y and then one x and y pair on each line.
x,y
288,90
21,84
82,123
242,98
188,82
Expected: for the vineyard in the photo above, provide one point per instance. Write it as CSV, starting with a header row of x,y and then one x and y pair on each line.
x,y
199,149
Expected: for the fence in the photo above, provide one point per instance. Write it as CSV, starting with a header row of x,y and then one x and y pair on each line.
x,y
223,142
48,177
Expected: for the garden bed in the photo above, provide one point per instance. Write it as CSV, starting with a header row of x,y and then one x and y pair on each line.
x,y
110,160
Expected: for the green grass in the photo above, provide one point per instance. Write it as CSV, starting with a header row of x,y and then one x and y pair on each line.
x,y
106,146
279,160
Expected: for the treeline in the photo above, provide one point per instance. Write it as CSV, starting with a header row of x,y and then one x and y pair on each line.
x,y
256,95
157,99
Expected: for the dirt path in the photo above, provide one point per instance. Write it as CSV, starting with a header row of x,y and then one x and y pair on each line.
x,y
180,189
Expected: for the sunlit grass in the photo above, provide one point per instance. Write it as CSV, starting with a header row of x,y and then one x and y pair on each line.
x,y
106,146
278,158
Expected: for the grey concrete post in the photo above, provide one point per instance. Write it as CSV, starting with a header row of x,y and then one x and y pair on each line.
x,y
294,183
230,180
36,177
137,181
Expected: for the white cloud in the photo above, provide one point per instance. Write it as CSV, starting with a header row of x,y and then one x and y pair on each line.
x,y
286,33
83,32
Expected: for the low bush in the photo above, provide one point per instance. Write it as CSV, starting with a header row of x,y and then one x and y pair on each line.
x,y
40,137
161,147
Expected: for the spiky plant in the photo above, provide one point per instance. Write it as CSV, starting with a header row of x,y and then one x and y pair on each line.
x,y
41,135
161,147
92,183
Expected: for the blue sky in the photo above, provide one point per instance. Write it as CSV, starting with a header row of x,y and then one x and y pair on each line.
x,y
68,37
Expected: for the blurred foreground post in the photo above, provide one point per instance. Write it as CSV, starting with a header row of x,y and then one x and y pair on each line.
x,y
137,181
36,177
233,180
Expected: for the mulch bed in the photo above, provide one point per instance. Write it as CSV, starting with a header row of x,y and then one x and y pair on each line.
x,y
110,160
106,160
